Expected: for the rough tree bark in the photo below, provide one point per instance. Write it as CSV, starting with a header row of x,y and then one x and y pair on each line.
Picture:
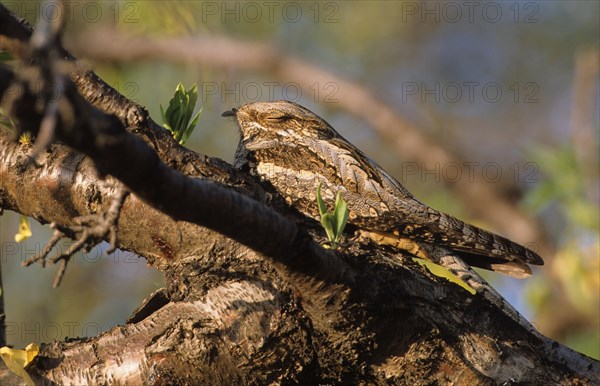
x,y
259,301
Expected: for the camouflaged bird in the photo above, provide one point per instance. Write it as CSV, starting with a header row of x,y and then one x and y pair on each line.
x,y
294,150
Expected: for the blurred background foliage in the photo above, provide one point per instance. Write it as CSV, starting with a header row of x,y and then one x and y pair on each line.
x,y
509,83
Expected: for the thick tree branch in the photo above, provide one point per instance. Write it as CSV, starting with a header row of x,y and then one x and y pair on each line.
x,y
106,142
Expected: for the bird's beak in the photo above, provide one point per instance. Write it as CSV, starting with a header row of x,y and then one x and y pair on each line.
x,y
230,113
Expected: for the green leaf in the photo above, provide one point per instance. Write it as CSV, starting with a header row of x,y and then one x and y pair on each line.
x,y
328,221
192,97
333,223
340,212
320,202
188,131
179,112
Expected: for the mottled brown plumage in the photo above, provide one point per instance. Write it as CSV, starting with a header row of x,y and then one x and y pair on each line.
x,y
293,149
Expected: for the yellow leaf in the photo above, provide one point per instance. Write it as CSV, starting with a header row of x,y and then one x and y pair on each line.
x,y
24,230
25,139
32,350
440,271
17,360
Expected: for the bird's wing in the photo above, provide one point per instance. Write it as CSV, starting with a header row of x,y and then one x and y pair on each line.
x,y
411,218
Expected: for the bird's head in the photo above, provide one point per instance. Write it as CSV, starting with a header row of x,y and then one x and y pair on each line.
x,y
277,120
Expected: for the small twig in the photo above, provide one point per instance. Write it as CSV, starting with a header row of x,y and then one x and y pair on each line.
x,y
89,230
62,268
41,257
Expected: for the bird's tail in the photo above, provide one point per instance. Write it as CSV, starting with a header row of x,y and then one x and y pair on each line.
x,y
484,249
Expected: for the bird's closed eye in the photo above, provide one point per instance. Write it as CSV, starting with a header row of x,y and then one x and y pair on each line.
x,y
278,117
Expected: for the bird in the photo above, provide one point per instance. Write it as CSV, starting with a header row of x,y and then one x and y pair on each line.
x,y
293,151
